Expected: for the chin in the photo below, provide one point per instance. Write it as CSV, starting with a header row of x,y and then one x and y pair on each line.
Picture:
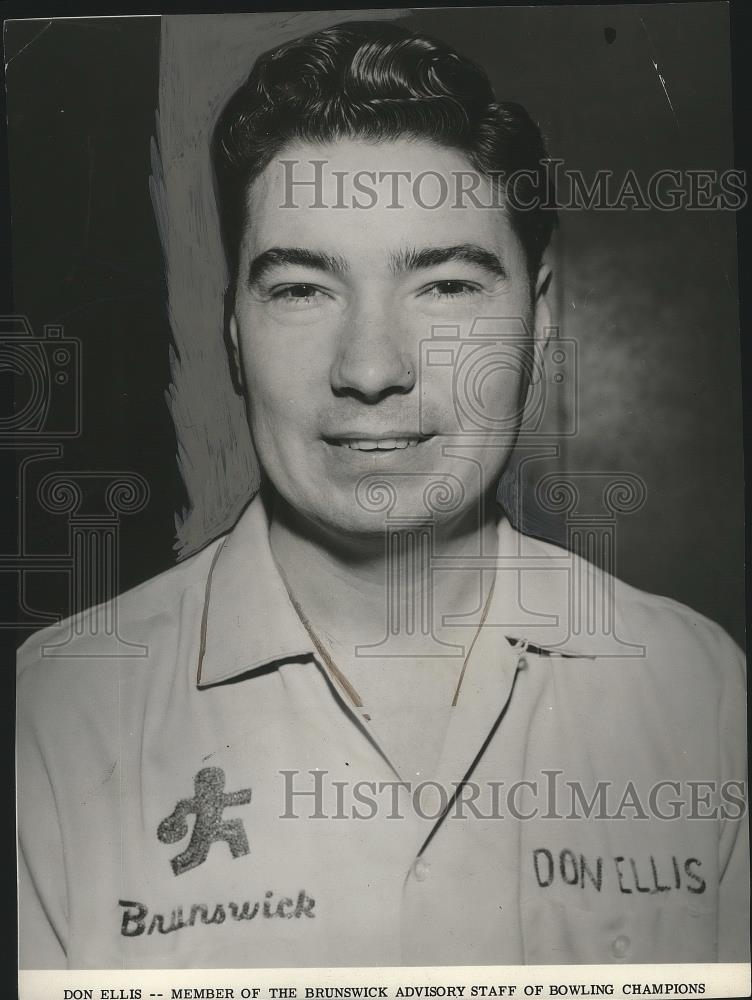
x,y
364,530
357,529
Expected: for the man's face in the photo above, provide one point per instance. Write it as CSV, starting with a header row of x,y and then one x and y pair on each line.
x,y
332,324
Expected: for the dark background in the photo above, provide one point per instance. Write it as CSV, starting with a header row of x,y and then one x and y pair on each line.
x,y
650,297
86,254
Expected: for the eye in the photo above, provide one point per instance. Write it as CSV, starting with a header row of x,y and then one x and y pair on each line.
x,y
298,296
451,289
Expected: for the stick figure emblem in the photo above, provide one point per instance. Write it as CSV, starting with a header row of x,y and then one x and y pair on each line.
x,y
208,803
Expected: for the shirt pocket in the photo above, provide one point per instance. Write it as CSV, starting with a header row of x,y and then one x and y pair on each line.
x,y
673,932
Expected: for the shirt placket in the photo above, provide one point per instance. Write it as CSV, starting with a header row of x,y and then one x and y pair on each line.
x,y
432,883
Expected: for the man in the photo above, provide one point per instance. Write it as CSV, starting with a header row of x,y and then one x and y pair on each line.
x,y
345,743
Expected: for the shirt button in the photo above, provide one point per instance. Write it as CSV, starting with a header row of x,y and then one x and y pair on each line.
x,y
421,869
620,946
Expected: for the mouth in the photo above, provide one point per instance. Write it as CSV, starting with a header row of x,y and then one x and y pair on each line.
x,y
391,442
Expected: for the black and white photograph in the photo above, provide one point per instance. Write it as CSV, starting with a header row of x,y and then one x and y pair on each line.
x,y
377,427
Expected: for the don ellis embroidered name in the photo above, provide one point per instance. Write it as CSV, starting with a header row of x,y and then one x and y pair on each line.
x,y
137,919
650,875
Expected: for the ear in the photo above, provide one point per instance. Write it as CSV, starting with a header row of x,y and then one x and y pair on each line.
x,y
231,340
542,312
542,327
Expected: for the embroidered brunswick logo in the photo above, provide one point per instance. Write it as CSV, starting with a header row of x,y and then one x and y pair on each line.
x,y
208,804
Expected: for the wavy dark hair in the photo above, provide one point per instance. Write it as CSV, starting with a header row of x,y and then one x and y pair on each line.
x,y
376,80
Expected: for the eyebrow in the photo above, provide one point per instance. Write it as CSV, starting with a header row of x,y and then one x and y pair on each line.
x,y
411,259
467,253
279,256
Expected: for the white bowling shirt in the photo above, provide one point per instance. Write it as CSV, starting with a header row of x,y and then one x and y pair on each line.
x,y
155,830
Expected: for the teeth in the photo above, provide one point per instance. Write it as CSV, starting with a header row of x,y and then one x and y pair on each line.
x,y
385,444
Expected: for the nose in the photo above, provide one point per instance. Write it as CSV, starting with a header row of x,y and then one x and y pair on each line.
x,y
374,357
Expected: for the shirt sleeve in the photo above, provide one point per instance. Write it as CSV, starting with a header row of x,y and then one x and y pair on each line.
x,y
42,896
733,916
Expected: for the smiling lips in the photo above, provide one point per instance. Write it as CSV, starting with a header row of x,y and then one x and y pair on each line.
x,y
395,443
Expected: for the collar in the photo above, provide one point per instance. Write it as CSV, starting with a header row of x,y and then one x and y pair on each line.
x,y
550,598
249,622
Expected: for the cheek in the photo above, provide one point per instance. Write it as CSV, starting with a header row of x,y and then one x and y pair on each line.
x,y
483,391
281,397
277,357
274,401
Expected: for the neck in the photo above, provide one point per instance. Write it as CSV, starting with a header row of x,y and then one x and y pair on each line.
x,y
352,594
